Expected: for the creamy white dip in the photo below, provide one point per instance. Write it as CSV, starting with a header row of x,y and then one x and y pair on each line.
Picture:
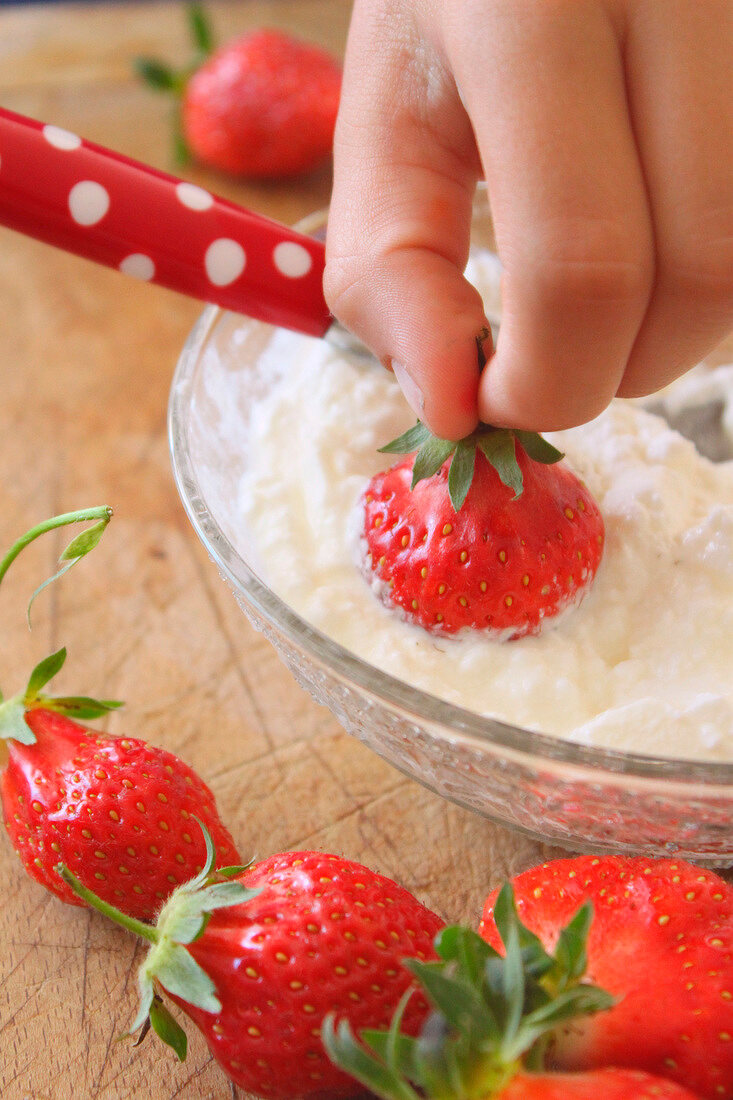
x,y
643,664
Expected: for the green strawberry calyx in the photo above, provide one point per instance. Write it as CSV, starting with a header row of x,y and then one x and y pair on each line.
x,y
496,444
162,77
492,1014
168,965
13,725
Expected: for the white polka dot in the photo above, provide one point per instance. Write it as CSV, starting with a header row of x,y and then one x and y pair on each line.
x,y
88,202
138,265
224,261
292,259
61,139
195,198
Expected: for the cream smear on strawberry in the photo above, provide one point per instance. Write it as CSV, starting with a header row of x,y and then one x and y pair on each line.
x,y
643,664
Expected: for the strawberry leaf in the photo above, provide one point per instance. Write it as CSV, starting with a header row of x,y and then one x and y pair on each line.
x,y
57,575
145,985
364,1065
430,458
571,956
460,1003
494,1014
460,474
233,871
181,975
409,441
168,1029
185,921
13,726
200,27
181,152
535,959
222,895
466,947
84,542
209,861
185,925
397,1051
73,706
582,1000
79,706
78,548
156,74
538,448
44,671
498,447
497,444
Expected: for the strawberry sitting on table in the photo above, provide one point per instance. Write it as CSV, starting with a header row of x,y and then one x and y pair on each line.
x,y
263,105
120,812
662,943
258,959
492,533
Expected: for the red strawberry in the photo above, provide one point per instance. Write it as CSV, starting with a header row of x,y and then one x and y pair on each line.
x,y
486,1036
662,942
119,812
263,105
265,956
602,1084
488,534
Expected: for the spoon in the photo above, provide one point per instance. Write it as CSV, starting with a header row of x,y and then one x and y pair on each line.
x,y
103,206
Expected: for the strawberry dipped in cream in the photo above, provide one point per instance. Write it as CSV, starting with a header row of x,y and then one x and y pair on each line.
x,y
641,663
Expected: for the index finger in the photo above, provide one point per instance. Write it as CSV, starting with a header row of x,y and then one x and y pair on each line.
x,y
405,169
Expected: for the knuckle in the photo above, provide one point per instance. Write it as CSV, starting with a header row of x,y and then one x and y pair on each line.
x,y
595,263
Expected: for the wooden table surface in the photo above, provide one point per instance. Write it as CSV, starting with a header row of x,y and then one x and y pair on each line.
x,y
86,358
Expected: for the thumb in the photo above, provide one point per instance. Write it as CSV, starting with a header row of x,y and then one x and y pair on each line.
x,y
399,231
413,307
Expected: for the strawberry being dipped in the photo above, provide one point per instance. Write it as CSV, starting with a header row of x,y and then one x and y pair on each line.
x,y
491,534
258,960
119,812
662,943
263,105
486,1036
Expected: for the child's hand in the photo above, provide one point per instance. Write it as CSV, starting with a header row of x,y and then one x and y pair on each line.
x,y
604,130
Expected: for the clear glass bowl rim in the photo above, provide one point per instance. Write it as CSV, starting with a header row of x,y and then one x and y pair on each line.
x,y
457,724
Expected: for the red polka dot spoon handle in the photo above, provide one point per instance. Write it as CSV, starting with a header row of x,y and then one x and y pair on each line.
x,y
101,205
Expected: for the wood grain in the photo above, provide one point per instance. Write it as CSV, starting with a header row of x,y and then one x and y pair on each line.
x,y
86,358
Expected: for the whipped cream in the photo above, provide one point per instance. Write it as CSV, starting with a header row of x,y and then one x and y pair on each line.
x,y
643,664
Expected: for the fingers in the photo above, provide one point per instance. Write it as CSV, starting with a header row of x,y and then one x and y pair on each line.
x,y
678,58
569,207
405,170
615,229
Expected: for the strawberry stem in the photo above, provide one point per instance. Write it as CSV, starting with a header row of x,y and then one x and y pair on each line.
x,y
103,513
137,927
73,553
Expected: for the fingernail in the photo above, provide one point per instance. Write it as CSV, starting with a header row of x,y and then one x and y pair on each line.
x,y
408,385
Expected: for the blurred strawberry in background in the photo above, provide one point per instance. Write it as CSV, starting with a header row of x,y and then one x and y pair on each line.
x,y
263,105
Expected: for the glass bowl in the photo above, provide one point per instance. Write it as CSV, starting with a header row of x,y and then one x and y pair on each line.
x,y
582,798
